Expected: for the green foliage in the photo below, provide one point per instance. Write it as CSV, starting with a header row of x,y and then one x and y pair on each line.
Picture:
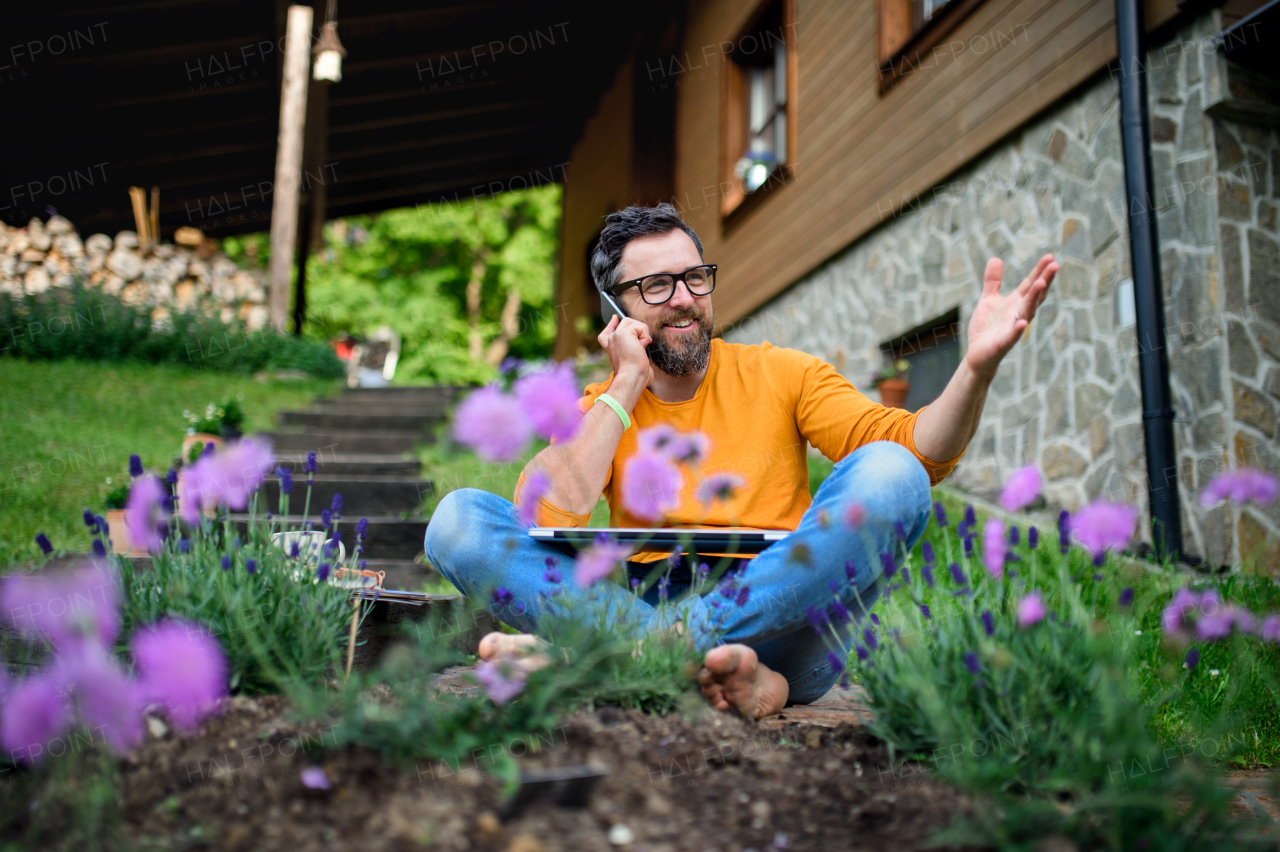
x,y
276,625
72,802
118,497
88,325
217,419
69,428
1058,724
409,269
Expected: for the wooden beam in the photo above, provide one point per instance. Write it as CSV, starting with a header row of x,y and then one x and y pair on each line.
x,y
293,114
315,199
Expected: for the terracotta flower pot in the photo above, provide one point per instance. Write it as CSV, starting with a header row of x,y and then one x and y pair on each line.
x,y
201,438
893,392
119,533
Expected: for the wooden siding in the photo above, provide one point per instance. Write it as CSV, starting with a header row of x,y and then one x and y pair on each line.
x,y
598,181
861,154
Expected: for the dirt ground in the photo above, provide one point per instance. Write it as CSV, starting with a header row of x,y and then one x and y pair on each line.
x,y
705,781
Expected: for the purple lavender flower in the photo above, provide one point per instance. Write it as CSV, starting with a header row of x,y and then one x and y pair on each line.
x,y
326,518
850,570
818,619
888,566
906,576
664,587
840,614
184,545
503,598
651,485
534,488
309,468
99,549
1192,659
963,529
226,563
313,778
1103,526
493,424
957,576
140,514
502,679
970,517
869,636
34,713
926,571
135,466
550,401
46,547
181,666
743,594
988,622
597,562
89,520
635,583
1240,486
1064,532
208,450
1030,610
971,662
968,547
1033,538
1021,488
171,477
940,513
362,529
900,530
322,573
833,660
924,608
335,506
993,547
250,566
926,550
863,653
286,479
1015,536
1126,597
875,619
294,549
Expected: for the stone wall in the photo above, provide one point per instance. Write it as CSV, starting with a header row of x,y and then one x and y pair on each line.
x,y
1067,397
193,274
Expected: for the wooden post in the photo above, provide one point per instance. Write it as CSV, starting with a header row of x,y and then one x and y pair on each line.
x,y
314,198
284,205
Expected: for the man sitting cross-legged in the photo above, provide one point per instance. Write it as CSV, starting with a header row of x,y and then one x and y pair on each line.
x,y
759,406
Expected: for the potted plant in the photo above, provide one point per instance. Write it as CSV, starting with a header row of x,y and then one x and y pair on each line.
x,y
219,423
115,502
892,382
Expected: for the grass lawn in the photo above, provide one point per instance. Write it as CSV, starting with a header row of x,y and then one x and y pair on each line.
x,y
67,429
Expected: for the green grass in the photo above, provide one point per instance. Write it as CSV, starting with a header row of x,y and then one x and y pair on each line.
x,y
67,427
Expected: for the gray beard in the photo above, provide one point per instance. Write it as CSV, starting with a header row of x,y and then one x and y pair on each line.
x,y
683,359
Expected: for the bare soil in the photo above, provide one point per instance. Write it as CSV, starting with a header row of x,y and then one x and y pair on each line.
x,y
699,781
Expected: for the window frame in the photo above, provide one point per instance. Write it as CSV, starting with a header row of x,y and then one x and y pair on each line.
x,y
901,44
735,112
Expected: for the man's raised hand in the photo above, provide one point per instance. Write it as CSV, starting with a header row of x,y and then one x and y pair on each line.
x,y
998,321
625,340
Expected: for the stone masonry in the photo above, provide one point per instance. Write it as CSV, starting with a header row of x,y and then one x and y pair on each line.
x,y
1067,397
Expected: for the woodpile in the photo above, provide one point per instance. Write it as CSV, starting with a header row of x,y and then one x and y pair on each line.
x,y
189,274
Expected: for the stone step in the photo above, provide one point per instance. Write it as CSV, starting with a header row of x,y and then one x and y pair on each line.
x,y
362,494
390,538
403,574
352,463
342,442
361,406
390,622
422,394
351,420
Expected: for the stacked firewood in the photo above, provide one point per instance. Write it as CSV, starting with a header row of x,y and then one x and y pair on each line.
x,y
189,274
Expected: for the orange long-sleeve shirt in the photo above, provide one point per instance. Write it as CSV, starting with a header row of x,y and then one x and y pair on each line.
x,y
759,405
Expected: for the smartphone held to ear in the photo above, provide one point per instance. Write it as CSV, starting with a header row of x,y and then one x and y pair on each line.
x,y
609,308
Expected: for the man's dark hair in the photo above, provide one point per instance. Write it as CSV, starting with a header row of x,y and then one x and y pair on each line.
x,y
631,224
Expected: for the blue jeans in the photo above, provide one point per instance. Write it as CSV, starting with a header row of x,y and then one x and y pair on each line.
x,y
476,542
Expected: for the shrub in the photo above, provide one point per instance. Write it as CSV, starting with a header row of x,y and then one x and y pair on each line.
x,y
88,325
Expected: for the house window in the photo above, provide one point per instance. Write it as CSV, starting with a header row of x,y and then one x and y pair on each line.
x,y
933,351
910,29
759,105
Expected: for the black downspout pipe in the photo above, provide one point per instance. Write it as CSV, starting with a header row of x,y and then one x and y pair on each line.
x,y
1144,251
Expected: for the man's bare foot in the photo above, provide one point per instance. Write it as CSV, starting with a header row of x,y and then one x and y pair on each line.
x,y
522,647
732,676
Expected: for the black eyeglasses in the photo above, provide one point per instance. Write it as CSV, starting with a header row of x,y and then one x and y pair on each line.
x,y
658,289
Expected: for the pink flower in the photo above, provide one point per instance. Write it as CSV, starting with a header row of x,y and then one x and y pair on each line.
x,y
1270,631
550,401
657,439
856,515
1030,610
536,485
502,679
596,562
141,512
197,487
107,699
719,486
651,485
241,468
1173,618
183,668
689,448
493,424
1240,486
313,778
1021,488
1103,526
34,712
1216,624
994,547
70,608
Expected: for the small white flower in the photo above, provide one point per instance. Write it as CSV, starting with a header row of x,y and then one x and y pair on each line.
x,y
1213,672
1137,633
108,480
